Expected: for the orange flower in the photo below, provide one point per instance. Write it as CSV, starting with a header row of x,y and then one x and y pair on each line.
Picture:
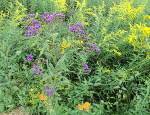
x,y
42,97
80,107
85,106
86,109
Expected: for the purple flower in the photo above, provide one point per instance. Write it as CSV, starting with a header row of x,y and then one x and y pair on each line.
x,y
34,71
29,58
71,29
71,12
27,34
39,72
23,19
49,93
47,87
88,70
49,20
53,17
37,26
83,53
33,21
31,15
46,13
36,67
91,44
96,49
79,24
85,66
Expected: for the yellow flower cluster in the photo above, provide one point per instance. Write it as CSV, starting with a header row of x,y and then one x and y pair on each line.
x,y
81,12
60,5
138,36
18,12
147,17
126,11
64,45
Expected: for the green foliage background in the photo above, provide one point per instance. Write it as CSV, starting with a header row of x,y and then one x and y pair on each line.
x,y
120,79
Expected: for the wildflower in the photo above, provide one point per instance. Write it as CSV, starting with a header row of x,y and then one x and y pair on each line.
x,y
91,44
32,29
79,24
23,19
31,15
39,72
88,70
95,47
76,28
34,71
85,106
86,67
64,45
36,67
47,17
27,34
49,93
33,21
80,107
47,87
71,12
42,97
29,58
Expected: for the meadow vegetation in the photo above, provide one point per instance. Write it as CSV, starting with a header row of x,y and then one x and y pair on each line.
x,y
75,57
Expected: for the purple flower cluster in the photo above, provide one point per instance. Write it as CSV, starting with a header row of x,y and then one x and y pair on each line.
x,y
47,17
33,27
49,90
92,46
86,67
95,47
77,28
31,15
37,71
29,58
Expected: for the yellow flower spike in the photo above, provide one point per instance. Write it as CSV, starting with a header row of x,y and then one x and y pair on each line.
x,y
60,5
62,51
